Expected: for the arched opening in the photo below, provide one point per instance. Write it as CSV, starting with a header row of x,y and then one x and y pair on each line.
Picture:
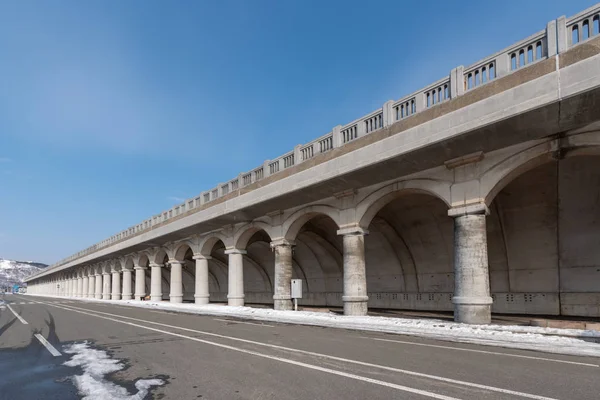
x,y
185,255
575,35
259,267
317,258
543,242
409,252
144,262
218,273
162,258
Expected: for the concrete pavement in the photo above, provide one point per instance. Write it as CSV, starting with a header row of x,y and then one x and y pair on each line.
x,y
219,358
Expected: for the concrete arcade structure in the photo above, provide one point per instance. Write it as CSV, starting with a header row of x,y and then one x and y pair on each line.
x,y
478,194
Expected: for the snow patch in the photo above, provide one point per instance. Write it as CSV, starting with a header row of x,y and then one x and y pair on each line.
x,y
96,364
575,342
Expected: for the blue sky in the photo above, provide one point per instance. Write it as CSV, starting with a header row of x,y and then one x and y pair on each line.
x,y
111,111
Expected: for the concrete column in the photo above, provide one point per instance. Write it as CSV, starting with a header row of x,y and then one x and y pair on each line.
x,y
355,281
156,282
282,299
106,286
235,297
79,292
91,286
86,283
176,294
472,300
140,282
127,278
116,285
201,293
98,288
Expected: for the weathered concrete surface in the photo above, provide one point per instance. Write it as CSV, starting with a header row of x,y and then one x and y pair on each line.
x,y
472,301
283,276
355,282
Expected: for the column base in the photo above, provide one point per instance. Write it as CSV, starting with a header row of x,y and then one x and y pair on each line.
x,y
106,297
115,297
283,304
175,299
355,305
139,296
98,296
473,310
201,299
473,314
156,297
126,297
235,301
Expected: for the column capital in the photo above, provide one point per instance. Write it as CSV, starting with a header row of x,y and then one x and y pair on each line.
x,y
469,209
352,230
282,242
153,265
139,267
198,256
235,251
174,261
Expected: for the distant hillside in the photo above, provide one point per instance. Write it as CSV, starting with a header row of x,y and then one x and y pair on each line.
x,y
14,272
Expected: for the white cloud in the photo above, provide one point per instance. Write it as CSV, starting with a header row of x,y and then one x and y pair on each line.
x,y
176,199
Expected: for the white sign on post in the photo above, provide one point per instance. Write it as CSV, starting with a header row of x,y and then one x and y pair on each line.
x,y
296,288
296,291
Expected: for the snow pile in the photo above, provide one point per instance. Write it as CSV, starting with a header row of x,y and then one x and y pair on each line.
x,y
550,340
96,364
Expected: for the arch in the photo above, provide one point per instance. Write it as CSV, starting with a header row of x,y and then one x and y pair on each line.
x,y
117,265
181,249
501,174
207,243
245,233
159,256
374,202
128,263
106,267
292,225
141,259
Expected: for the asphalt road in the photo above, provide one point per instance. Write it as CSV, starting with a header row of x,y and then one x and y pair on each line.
x,y
219,358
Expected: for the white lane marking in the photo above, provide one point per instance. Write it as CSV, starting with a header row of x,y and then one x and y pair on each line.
x,y
47,345
484,352
242,322
17,315
402,371
31,302
280,359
